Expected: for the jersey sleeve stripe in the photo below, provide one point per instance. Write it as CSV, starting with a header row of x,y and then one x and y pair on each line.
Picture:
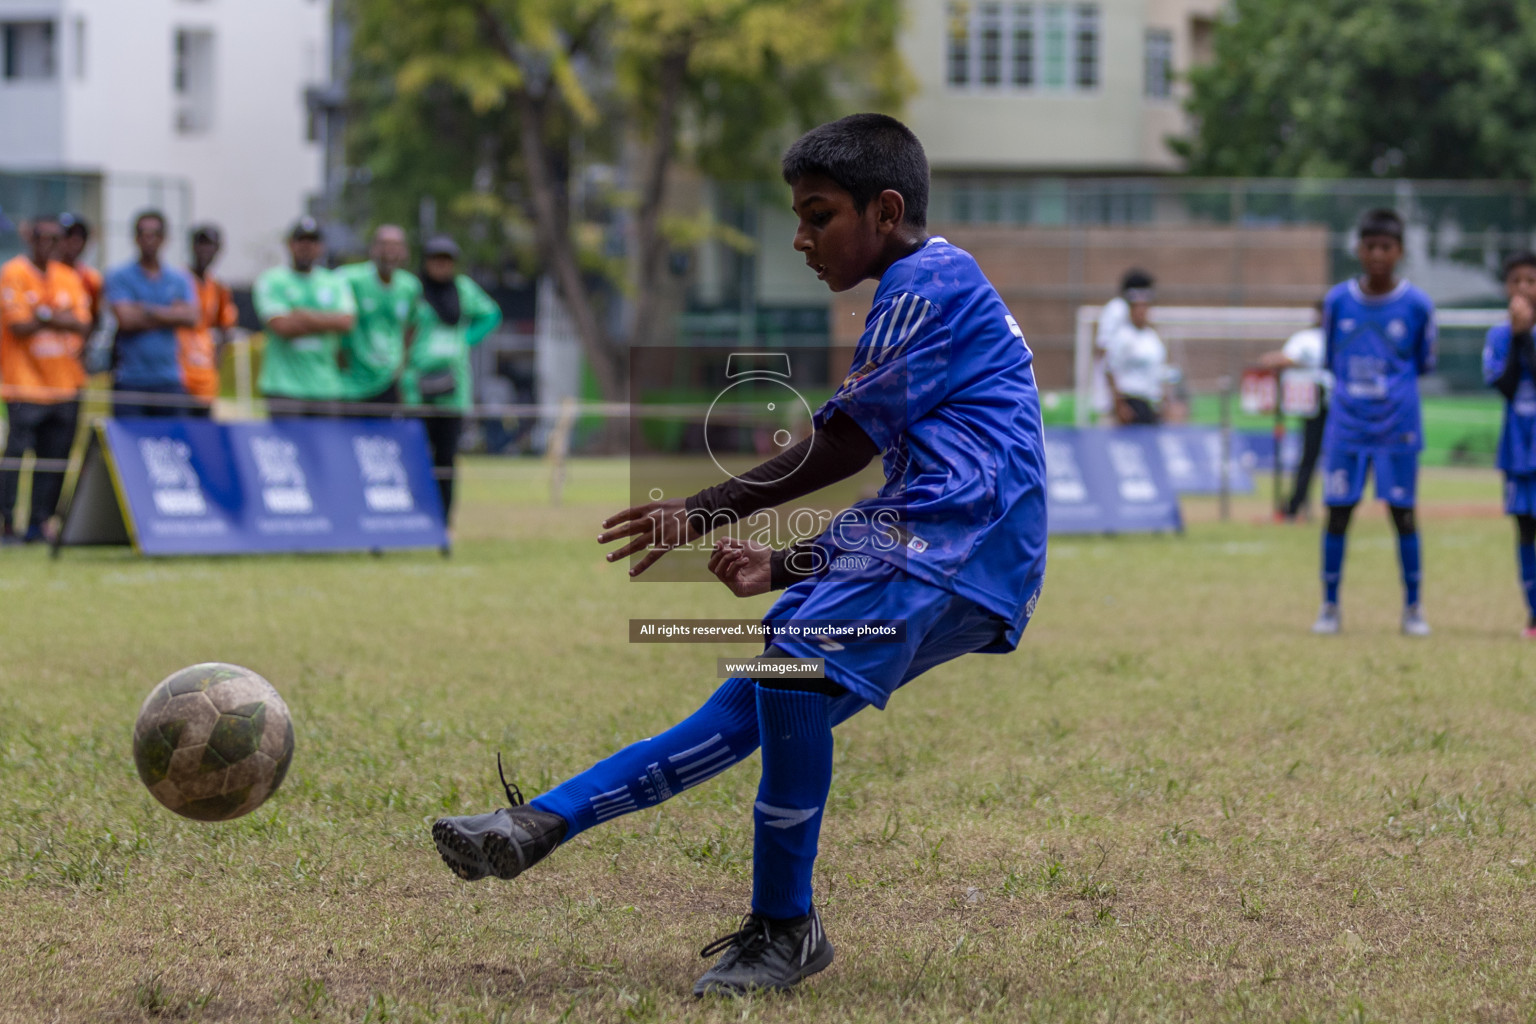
x,y
915,308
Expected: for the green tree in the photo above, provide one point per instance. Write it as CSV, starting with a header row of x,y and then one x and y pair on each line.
x,y
561,123
1360,88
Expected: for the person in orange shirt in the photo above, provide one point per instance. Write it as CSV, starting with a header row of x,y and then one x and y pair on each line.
x,y
198,347
44,318
77,234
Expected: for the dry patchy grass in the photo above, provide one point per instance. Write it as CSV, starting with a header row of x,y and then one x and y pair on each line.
x,y
1171,804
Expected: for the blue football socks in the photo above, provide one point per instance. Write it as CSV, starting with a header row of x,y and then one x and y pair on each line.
x,y
1408,560
1333,565
643,774
797,775
1527,554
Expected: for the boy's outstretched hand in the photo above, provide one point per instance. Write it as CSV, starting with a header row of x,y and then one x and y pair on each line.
x,y
742,565
658,525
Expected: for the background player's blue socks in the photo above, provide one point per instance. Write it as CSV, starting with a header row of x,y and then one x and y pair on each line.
x,y
1333,565
1408,561
797,775
644,774
1527,553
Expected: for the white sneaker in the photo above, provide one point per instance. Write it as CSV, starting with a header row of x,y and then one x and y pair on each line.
x,y
1328,620
1413,622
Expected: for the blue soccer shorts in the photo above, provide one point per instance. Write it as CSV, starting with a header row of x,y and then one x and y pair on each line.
x,y
1397,477
1520,494
939,626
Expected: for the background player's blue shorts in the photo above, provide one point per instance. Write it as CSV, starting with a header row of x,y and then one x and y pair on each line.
x,y
1397,477
1520,494
940,626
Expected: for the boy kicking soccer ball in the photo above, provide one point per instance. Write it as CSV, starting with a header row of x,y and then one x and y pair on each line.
x,y
1509,364
1380,339
953,547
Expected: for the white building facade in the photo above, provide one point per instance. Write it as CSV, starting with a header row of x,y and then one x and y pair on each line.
x,y
198,107
1043,86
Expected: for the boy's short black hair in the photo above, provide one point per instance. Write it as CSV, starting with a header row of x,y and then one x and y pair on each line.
x,y
1381,221
1136,279
144,215
865,154
1523,258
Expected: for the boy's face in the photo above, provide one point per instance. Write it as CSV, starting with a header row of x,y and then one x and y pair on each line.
x,y
840,243
1521,283
1379,254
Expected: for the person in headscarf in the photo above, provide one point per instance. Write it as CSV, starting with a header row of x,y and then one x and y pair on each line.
x,y
453,315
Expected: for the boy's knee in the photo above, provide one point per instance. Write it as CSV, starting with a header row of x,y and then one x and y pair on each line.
x,y
1338,518
1404,522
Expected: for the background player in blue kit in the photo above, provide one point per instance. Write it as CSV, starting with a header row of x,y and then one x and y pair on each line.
x,y
1380,340
953,546
1509,364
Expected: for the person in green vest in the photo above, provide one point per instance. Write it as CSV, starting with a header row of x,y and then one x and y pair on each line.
x,y
453,315
386,294
305,309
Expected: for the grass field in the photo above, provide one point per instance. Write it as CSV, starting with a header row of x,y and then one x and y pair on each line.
x,y
1172,803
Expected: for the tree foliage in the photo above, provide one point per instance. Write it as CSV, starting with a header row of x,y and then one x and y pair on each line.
x,y
1359,88
560,123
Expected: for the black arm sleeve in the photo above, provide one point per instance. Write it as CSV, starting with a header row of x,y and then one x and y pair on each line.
x,y
835,452
1520,346
787,566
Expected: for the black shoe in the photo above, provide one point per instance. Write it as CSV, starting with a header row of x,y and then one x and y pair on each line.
x,y
504,843
766,955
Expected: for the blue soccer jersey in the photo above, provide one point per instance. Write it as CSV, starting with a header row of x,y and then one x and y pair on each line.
x,y
1378,347
1517,441
942,382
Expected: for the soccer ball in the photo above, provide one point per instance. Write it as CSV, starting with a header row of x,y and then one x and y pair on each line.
x,y
213,741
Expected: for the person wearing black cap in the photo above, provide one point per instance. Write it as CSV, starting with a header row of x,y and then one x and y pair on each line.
x,y
200,345
306,309
454,315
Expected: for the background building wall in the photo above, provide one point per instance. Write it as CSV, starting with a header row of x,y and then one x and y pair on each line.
x,y
229,139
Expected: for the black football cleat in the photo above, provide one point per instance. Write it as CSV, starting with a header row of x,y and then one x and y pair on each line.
x,y
765,955
504,843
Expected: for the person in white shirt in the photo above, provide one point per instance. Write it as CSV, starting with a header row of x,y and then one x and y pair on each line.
x,y
1138,366
1115,316
1301,360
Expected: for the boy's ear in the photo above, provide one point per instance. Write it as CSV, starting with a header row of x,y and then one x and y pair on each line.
x,y
892,210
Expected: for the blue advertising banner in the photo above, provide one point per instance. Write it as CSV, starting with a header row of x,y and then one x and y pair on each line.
x,y
1108,481
1256,450
1193,457
185,486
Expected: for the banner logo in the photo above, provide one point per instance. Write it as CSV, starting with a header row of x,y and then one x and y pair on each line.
x,y
386,487
284,489
172,479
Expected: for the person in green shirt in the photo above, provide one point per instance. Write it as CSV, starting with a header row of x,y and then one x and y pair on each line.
x,y
386,294
454,315
306,309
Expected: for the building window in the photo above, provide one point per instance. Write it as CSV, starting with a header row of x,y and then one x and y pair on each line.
x,y
29,51
1159,63
959,46
995,45
1023,46
193,81
1086,51
79,48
